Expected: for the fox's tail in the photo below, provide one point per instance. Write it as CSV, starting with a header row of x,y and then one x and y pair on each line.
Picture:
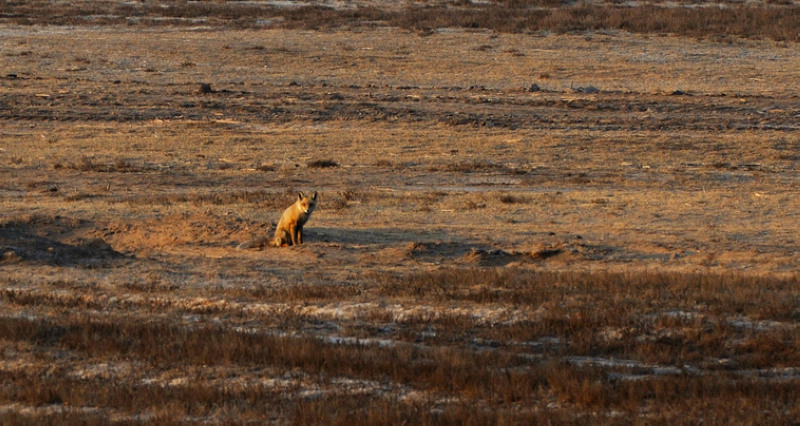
x,y
258,242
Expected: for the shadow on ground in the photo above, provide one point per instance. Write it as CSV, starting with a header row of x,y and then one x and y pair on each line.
x,y
43,240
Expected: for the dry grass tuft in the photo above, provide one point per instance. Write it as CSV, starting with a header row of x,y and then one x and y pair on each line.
x,y
322,164
512,199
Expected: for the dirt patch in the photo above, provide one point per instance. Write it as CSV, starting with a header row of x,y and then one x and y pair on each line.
x,y
495,257
391,255
203,229
53,240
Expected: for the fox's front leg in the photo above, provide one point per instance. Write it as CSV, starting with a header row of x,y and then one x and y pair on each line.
x,y
299,234
293,234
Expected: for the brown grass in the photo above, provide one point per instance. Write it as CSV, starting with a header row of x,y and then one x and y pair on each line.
x,y
116,165
774,20
485,379
265,198
617,246
777,23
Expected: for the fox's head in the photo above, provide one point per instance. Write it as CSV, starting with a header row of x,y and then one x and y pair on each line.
x,y
307,204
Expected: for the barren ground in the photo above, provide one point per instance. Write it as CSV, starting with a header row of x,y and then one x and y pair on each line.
x,y
644,187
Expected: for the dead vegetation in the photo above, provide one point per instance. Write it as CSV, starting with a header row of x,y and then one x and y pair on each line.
x,y
515,226
322,164
586,342
777,20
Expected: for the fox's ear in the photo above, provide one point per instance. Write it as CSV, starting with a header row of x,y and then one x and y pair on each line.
x,y
300,196
314,197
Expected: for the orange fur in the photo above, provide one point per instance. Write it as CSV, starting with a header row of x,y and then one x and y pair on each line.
x,y
289,231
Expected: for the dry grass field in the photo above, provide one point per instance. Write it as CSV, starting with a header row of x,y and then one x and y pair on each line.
x,y
587,217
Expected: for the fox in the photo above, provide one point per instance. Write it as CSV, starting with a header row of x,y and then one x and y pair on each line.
x,y
289,231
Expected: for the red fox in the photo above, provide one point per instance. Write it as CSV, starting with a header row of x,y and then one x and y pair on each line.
x,y
289,231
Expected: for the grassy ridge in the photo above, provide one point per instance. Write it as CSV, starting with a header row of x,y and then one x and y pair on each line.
x,y
778,21
749,22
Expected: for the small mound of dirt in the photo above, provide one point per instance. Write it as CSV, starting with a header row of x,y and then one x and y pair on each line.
x,y
437,250
30,241
257,243
395,254
428,252
202,229
499,257
10,256
545,252
494,257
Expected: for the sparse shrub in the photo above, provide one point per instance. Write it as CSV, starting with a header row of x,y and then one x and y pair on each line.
x,y
352,195
336,203
474,205
88,164
513,199
124,164
322,164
